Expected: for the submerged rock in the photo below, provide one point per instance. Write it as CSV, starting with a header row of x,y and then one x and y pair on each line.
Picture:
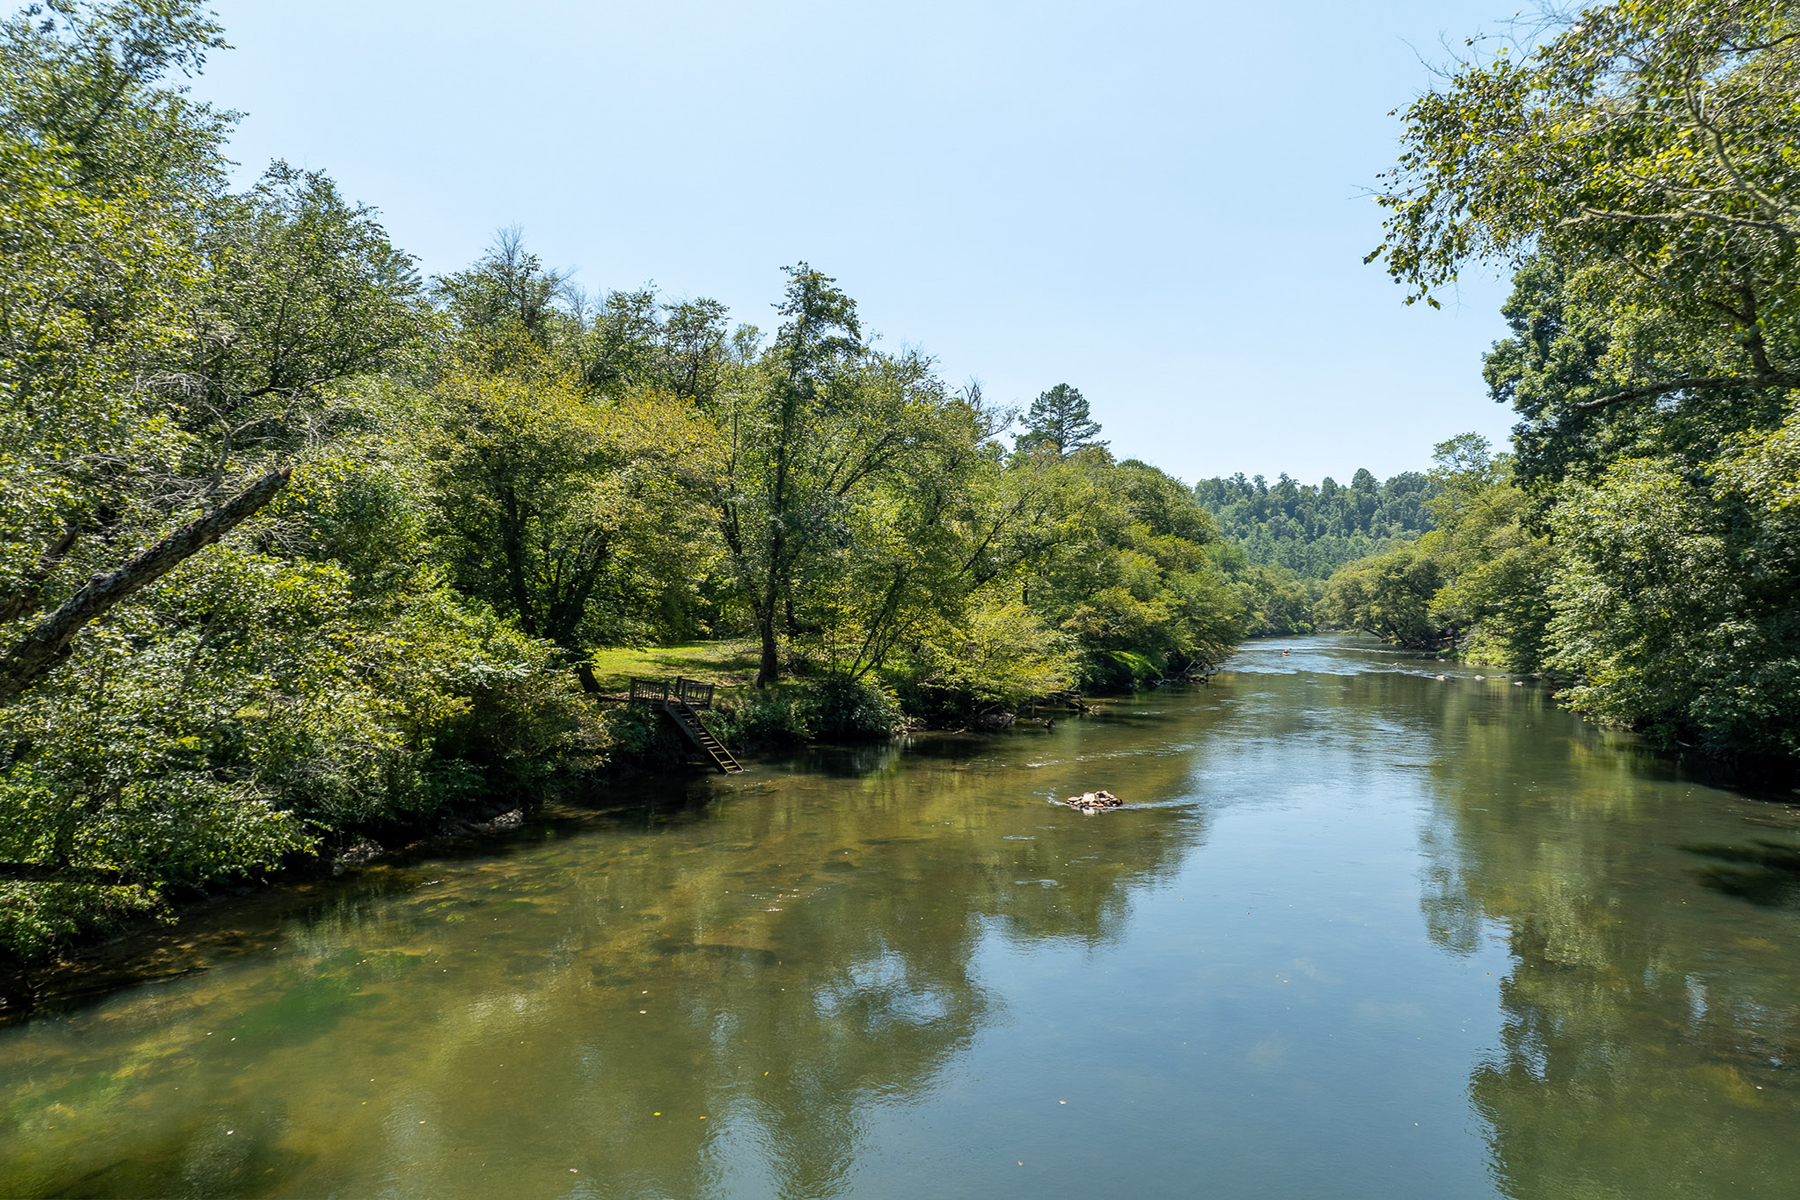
x,y
355,857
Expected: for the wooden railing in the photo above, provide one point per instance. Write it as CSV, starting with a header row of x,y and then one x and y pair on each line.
x,y
681,699
690,692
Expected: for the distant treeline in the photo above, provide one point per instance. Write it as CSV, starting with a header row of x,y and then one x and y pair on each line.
x,y
1312,531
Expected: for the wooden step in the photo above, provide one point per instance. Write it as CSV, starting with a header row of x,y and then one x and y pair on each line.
x,y
690,724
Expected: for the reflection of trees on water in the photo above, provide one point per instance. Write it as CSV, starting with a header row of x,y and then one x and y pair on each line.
x,y
781,967
1651,1036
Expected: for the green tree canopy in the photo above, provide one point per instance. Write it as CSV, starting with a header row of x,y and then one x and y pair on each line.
x,y
1650,143
1059,418
1311,530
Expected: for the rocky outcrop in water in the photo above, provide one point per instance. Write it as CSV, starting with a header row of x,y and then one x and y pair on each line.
x,y
1092,802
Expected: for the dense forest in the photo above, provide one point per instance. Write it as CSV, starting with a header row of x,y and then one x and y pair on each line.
x,y
1640,540
1280,544
298,545
1312,531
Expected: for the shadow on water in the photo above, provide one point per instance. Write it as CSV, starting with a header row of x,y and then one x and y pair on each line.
x,y
236,925
1765,873
684,985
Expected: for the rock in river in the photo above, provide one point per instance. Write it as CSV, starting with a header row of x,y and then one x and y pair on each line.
x,y
1094,801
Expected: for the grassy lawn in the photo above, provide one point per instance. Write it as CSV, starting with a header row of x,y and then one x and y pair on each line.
x,y
727,664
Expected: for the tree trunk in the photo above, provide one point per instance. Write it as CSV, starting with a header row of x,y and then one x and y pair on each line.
x,y
512,545
50,641
769,610
769,670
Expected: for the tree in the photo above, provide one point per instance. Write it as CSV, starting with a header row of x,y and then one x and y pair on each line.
x,y
167,347
83,80
1125,571
562,509
508,303
1311,531
1496,559
1389,596
1059,418
216,644
1580,335
1637,171
797,442
508,289
1649,141
1677,607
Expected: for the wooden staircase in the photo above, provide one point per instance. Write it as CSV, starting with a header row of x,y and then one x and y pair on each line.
x,y
681,701
689,720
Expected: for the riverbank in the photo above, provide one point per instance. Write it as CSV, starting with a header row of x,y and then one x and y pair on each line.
x,y
664,775
504,756
646,759
202,932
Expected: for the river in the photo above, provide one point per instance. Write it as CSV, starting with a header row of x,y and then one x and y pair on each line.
x,y
1362,932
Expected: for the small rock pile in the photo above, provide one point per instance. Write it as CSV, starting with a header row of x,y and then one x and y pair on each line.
x,y
1091,802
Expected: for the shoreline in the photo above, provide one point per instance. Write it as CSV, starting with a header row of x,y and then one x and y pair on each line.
x,y
152,948
198,931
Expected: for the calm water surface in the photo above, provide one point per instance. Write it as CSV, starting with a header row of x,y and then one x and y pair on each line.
x,y
1362,933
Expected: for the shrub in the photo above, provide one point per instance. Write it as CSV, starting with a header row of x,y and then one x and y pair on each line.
x,y
246,711
772,718
1119,670
834,708
637,735
840,708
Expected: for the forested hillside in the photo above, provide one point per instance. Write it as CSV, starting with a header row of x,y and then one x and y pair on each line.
x,y
1313,530
299,547
1641,541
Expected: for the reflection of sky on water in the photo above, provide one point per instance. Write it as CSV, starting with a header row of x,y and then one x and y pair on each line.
x,y
1362,933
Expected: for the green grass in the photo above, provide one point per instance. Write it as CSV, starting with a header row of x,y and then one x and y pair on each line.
x,y
727,664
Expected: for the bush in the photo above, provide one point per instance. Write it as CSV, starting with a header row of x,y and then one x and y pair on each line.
x,y
637,735
1388,595
1119,671
834,708
36,919
1002,658
852,710
769,719
244,713
1676,604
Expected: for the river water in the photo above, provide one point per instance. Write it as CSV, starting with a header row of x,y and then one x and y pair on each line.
x,y
1361,933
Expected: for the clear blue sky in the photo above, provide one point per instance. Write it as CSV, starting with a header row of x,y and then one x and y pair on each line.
x,y
1155,202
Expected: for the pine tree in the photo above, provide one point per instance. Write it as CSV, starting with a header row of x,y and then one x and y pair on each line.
x,y
1059,418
